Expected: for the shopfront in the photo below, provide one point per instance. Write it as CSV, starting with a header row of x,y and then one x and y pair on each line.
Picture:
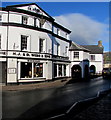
x,y
30,70
59,70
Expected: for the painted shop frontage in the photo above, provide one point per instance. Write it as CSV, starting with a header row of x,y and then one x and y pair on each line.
x,y
33,47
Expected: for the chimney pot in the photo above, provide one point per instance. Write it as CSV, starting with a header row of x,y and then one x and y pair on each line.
x,y
100,43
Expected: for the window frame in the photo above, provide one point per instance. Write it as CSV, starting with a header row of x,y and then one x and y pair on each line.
x,y
76,55
42,47
0,17
26,21
0,41
92,57
26,42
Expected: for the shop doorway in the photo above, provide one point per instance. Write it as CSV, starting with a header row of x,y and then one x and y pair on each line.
x,y
3,72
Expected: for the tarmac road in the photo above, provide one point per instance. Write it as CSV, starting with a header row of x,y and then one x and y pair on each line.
x,y
45,103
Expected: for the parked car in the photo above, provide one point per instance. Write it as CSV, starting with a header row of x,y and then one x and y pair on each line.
x,y
106,72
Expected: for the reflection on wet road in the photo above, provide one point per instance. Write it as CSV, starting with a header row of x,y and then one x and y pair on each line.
x,y
44,103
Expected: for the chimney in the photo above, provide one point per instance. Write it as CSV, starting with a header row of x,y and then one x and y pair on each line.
x,y
100,43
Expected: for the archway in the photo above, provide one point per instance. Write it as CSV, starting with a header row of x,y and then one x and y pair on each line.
x,y
76,71
92,69
86,71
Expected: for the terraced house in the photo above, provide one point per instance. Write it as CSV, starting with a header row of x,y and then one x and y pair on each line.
x,y
33,47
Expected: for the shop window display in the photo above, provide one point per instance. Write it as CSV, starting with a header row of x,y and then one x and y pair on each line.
x,y
26,70
38,69
60,69
55,70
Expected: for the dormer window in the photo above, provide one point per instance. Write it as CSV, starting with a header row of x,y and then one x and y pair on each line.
x,y
24,20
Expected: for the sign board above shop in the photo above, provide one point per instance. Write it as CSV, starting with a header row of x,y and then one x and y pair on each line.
x,y
34,61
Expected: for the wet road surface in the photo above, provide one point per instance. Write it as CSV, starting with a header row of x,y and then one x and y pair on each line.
x,y
45,103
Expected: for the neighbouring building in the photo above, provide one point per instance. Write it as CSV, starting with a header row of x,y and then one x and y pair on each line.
x,y
107,59
33,47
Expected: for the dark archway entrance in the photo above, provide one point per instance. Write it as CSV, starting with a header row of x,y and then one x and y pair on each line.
x,y
92,69
86,71
76,71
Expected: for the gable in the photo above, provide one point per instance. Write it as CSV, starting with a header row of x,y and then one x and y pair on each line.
x,y
32,7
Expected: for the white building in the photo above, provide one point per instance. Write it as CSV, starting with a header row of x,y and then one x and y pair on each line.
x,y
33,47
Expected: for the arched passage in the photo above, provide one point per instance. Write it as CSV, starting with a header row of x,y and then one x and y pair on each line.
x,y
86,71
92,69
76,71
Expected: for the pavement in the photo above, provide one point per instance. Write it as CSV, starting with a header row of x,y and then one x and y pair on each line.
x,y
98,111
26,87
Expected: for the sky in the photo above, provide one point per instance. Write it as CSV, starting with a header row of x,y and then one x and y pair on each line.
x,y
88,21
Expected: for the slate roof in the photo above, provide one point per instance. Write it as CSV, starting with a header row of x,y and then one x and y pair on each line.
x,y
95,49
76,47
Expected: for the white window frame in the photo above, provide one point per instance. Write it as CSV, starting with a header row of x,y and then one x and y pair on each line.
x,y
76,55
58,49
92,57
44,45
28,42
0,17
24,20
58,31
0,41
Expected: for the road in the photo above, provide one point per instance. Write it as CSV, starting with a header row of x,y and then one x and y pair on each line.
x,y
45,103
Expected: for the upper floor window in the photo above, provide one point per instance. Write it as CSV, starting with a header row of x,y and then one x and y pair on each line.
x,y
24,20
76,55
24,42
41,45
58,49
0,41
92,57
66,50
35,22
58,31
0,18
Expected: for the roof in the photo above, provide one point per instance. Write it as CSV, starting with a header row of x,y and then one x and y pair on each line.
x,y
21,5
76,47
95,49
54,23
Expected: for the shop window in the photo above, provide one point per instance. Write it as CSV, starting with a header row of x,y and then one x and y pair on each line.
x,y
76,55
38,69
55,70
26,70
60,69
64,70
24,20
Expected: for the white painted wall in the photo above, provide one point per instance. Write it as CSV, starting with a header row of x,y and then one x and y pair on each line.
x,y
12,70
3,32
98,62
34,37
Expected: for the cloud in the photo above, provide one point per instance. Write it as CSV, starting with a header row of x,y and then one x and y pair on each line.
x,y
85,30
